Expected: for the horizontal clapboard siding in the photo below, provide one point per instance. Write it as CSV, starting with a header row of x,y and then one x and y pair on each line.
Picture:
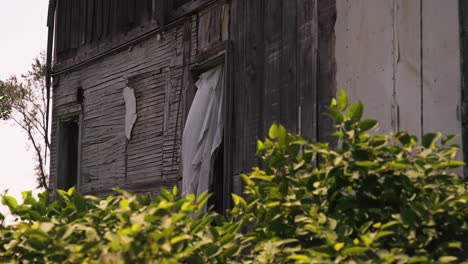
x,y
157,68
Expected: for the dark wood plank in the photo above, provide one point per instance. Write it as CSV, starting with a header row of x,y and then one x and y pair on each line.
x,y
83,16
67,33
122,16
204,31
89,21
114,16
326,66
105,18
75,25
141,16
464,72
238,41
254,82
188,87
289,106
307,67
98,19
131,5
61,27
228,176
215,25
272,63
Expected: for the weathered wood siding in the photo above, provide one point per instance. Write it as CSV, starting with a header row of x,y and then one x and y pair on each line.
x,y
283,71
83,25
279,57
402,59
154,67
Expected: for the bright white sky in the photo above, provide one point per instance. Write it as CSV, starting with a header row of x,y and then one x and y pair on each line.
x,y
23,35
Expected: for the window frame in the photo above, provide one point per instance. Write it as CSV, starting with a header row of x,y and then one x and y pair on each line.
x,y
73,113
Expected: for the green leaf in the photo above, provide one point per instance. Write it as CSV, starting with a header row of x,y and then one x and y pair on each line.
x,y
299,257
389,224
448,259
448,139
355,111
336,115
342,101
354,251
429,140
367,124
247,180
10,202
71,191
338,246
452,164
282,135
418,259
456,244
238,200
273,132
367,164
384,234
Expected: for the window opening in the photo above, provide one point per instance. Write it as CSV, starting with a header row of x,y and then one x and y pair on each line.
x,y
68,153
203,137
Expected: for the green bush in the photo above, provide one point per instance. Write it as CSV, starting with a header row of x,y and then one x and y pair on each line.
x,y
373,199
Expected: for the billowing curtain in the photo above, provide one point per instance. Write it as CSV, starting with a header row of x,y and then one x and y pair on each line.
x,y
203,132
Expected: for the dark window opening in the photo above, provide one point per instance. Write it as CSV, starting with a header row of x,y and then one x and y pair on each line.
x,y
68,154
217,185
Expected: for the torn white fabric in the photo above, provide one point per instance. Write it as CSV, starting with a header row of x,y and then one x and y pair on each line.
x,y
203,132
130,111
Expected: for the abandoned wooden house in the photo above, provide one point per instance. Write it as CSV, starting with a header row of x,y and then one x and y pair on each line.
x,y
155,93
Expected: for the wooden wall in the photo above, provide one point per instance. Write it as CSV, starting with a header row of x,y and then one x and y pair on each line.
x,y
87,24
402,59
281,68
283,71
157,69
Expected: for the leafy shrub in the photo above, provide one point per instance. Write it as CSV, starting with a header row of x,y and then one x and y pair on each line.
x,y
120,229
373,199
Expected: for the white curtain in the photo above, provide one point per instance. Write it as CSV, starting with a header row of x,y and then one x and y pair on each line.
x,y
203,132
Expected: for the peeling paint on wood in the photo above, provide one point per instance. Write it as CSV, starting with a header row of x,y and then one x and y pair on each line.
x,y
130,111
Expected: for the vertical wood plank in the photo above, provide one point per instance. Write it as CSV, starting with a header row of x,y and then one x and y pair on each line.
x,y
288,77
237,33
441,67
188,87
407,50
254,73
204,31
68,17
61,18
75,25
272,63
228,177
326,68
98,19
89,21
364,56
105,18
464,77
140,14
215,25
131,5
307,68
83,10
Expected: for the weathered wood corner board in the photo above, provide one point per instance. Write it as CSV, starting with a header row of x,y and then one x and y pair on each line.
x,y
279,67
